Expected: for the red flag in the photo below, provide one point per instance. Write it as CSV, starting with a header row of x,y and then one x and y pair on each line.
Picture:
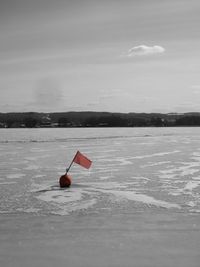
x,y
82,160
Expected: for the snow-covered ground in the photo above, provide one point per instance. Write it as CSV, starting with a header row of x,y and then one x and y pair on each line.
x,y
138,205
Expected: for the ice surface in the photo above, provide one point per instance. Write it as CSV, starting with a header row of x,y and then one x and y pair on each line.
x,y
139,204
124,167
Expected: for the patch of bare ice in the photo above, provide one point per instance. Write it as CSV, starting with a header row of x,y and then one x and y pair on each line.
x,y
31,167
84,205
15,175
155,164
30,158
191,185
31,210
196,156
61,196
39,175
36,149
6,183
72,198
188,169
167,174
186,190
105,186
130,195
196,178
195,210
140,178
104,177
124,161
191,204
156,154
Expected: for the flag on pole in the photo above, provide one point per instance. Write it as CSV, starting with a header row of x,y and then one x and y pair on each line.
x,y
82,160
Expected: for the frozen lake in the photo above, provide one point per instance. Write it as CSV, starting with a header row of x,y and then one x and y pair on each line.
x,y
138,205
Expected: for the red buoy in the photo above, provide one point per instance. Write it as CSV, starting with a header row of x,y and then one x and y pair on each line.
x,y
65,180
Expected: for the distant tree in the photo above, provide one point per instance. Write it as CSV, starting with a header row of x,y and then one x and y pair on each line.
x,y
64,122
91,122
158,122
117,121
106,121
30,122
188,121
138,122
10,122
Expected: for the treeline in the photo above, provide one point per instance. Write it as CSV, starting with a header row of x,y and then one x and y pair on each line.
x,y
97,119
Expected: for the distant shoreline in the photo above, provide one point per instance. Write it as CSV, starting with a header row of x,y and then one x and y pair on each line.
x,y
86,119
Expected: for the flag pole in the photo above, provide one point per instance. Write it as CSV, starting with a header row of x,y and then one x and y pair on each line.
x,y
71,163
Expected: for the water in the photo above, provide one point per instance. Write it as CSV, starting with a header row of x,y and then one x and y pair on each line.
x,y
143,181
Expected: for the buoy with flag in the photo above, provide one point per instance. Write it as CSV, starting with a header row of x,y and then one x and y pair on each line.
x,y
79,158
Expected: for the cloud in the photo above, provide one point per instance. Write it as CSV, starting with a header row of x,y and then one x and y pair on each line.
x,y
143,50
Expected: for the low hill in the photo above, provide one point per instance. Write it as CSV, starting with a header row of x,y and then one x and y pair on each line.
x,y
97,119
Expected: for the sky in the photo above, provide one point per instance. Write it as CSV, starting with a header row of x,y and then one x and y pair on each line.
x,y
105,55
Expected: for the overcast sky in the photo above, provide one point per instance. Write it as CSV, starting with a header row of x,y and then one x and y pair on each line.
x,y
106,55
